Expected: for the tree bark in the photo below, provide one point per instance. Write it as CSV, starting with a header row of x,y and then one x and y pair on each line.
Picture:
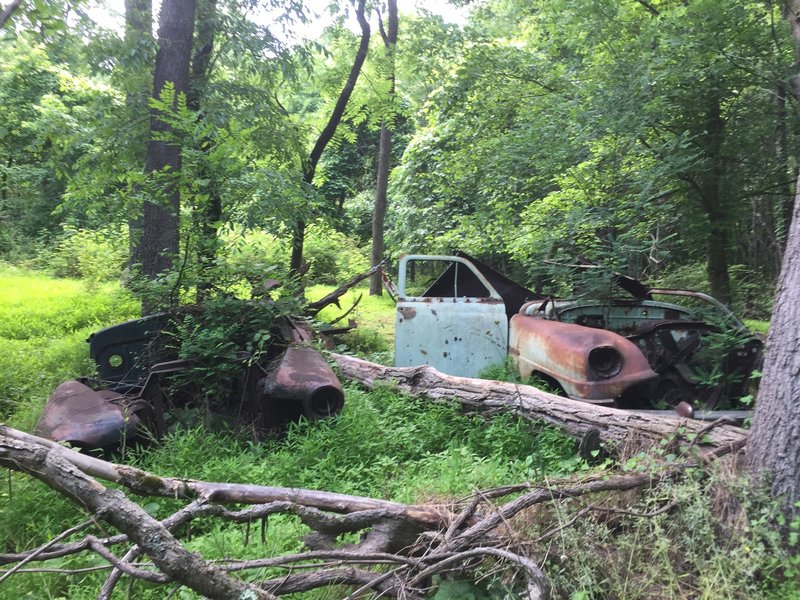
x,y
8,11
384,155
310,165
138,36
142,482
774,446
572,416
160,236
712,201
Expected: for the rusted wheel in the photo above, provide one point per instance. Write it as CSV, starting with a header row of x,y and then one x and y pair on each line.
x,y
670,391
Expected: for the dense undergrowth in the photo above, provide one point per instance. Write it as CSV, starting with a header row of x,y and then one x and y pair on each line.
x,y
719,540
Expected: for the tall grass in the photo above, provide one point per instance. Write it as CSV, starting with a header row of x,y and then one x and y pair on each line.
x,y
44,323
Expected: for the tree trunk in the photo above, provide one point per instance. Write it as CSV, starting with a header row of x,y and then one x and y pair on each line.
x,y
712,201
774,446
209,213
310,165
384,156
572,416
160,238
5,15
717,266
138,40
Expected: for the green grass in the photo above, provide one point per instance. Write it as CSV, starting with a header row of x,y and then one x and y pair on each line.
x,y
757,326
44,323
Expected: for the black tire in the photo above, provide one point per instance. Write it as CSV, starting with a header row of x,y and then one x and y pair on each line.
x,y
670,391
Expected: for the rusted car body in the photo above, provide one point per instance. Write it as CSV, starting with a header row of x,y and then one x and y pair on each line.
x,y
676,340
593,365
134,387
633,352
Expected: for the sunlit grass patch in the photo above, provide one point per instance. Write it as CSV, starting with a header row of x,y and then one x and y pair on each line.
x,y
44,324
33,305
757,326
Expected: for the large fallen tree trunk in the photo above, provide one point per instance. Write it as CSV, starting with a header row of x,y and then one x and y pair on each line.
x,y
579,419
393,534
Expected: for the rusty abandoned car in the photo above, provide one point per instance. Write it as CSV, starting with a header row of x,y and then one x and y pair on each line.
x,y
631,350
138,382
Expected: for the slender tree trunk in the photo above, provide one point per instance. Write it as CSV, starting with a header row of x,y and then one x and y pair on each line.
x,y
310,165
210,212
791,12
717,266
384,156
138,40
160,239
4,194
712,201
379,212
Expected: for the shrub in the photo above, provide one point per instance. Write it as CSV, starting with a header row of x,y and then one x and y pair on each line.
x,y
94,256
332,256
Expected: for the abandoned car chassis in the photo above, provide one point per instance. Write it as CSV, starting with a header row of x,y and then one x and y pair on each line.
x,y
132,394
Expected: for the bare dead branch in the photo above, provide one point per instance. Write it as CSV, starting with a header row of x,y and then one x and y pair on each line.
x,y
348,311
116,574
590,508
124,566
333,298
303,582
37,552
148,484
538,583
510,509
112,506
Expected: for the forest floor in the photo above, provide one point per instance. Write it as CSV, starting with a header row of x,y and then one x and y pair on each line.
x,y
719,541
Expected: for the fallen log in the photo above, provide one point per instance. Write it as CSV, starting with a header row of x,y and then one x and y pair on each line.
x,y
148,484
578,419
401,537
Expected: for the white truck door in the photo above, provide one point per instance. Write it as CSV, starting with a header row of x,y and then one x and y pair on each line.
x,y
459,326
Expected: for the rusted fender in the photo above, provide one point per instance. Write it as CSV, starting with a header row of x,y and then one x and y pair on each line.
x,y
590,364
87,418
303,375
